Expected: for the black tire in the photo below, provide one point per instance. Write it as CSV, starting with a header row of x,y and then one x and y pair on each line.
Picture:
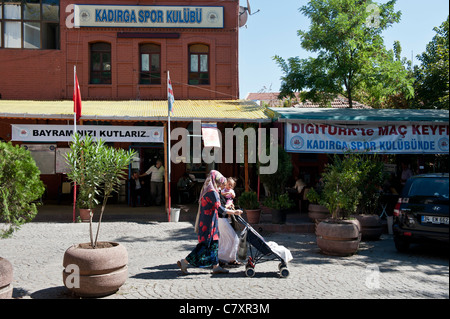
x,y
284,272
401,245
249,271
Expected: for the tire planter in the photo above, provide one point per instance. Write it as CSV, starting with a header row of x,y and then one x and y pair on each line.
x,y
6,278
371,226
102,270
253,215
338,238
318,213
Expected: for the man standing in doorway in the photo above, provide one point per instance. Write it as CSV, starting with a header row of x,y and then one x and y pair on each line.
x,y
156,173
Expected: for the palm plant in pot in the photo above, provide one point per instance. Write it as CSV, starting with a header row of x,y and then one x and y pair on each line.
x,y
248,201
101,266
20,188
340,235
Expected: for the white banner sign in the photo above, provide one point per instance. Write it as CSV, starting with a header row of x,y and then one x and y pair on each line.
x,y
63,133
148,16
385,139
210,135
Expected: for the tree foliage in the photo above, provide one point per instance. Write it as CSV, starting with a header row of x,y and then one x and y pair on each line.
x,y
432,76
350,183
20,186
345,36
97,169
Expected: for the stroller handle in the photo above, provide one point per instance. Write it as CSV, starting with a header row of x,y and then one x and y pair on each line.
x,y
241,220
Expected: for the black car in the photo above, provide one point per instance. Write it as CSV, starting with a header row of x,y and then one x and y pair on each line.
x,y
422,211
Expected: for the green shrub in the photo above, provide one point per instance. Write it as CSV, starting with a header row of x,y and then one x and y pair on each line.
x,y
20,186
248,200
280,202
351,184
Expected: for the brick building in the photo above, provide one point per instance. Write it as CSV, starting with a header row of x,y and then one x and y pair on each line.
x,y
122,51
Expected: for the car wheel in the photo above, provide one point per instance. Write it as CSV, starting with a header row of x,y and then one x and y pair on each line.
x,y
401,244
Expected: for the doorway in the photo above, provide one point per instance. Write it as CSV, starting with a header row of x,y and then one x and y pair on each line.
x,y
146,157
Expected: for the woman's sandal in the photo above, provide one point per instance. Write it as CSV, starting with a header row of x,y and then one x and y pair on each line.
x,y
220,270
183,267
234,263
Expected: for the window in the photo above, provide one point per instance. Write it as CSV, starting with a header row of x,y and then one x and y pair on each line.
x,y
29,24
150,64
198,64
100,63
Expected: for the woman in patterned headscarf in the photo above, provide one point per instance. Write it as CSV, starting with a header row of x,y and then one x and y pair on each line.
x,y
205,254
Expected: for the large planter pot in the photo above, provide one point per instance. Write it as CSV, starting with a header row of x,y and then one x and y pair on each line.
x,y
279,216
338,238
102,271
318,213
371,226
6,278
253,215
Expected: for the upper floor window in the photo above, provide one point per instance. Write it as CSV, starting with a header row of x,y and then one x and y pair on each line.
x,y
150,64
100,63
29,24
198,64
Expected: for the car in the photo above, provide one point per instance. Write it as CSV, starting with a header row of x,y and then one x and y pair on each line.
x,y
421,213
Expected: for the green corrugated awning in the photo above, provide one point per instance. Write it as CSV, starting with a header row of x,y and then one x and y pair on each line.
x,y
360,116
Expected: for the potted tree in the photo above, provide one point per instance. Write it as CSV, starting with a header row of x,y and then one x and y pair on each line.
x,y
102,266
279,207
248,201
278,200
316,211
338,235
82,204
20,189
84,168
370,184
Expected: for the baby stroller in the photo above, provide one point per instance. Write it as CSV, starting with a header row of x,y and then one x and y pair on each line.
x,y
259,250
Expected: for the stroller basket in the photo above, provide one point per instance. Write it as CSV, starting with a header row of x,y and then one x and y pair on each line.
x,y
258,242
261,252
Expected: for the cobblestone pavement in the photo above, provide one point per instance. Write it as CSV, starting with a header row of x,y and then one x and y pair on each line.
x,y
36,252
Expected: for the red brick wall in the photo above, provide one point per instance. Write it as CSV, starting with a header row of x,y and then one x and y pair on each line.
x,y
48,74
31,74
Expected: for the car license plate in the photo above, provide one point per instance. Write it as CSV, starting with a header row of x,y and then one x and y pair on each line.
x,y
435,220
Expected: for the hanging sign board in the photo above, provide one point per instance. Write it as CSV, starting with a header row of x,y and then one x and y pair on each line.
x,y
63,133
44,156
210,135
118,16
384,139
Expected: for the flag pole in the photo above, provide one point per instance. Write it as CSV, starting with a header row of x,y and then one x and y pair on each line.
x,y
168,143
74,132
74,90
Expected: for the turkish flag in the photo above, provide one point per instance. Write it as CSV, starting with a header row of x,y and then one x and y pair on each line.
x,y
77,99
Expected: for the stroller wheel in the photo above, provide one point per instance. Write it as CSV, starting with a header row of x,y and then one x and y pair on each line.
x,y
284,272
249,271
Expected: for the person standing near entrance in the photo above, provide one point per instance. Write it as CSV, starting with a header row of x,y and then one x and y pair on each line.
x,y
156,173
135,189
